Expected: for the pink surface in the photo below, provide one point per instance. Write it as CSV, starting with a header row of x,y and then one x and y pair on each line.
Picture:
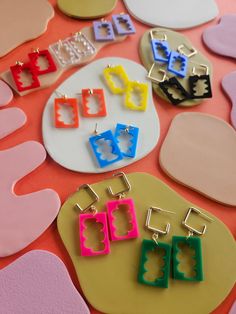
x,y
38,283
11,119
6,94
229,86
23,218
233,309
100,218
221,38
113,206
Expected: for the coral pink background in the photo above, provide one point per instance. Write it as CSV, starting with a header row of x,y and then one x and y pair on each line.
x,y
64,181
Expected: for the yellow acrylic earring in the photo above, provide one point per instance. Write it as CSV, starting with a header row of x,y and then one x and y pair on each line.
x,y
141,89
119,72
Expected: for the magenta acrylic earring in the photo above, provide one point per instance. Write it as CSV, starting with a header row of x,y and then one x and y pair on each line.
x,y
125,207
89,215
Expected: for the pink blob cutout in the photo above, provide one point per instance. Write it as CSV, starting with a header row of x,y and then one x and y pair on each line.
x,y
38,282
100,218
6,94
228,84
233,309
221,38
113,206
23,218
11,119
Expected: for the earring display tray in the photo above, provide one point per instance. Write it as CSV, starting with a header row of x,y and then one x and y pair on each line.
x,y
175,40
116,274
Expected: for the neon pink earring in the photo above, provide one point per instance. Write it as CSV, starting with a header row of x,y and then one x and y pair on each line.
x,y
97,218
125,204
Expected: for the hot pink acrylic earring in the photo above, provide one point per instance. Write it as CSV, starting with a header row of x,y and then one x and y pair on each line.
x,y
93,216
116,205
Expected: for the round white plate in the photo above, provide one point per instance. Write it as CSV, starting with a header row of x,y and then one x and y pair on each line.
x,y
176,14
70,147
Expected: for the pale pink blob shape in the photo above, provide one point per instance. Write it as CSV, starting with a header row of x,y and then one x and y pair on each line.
x,y
221,38
228,84
23,218
11,119
38,282
6,94
233,309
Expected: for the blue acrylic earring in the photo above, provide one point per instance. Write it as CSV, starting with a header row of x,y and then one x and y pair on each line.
x,y
105,148
160,47
127,134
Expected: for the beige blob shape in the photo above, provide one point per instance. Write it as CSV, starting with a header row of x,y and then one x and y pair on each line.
x,y
200,152
109,282
21,21
175,40
86,9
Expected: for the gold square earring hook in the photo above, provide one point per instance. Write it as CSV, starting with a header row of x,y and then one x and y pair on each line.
x,y
95,197
120,194
156,231
192,230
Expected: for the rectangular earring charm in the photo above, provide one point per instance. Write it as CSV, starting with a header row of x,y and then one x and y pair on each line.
x,y
123,24
103,31
100,221
131,220
181,60
118,71
149,246
140,89
160,50
68,104
64,53
127,137
190,250
98,96
105,148
172,86
82,45
19,68
45,54
204,91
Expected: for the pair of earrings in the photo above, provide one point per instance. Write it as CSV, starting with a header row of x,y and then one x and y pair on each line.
x,y
106,219
162,53
33,69
72,103
107,147
127,87
199,85
104,31
72,50
176,250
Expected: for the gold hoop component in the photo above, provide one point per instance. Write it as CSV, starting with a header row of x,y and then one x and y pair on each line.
x,y
155,79
120,194
192,230
203,66
187,51
155,35
156,231
95,198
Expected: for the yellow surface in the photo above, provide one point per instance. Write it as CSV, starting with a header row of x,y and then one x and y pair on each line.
x,y
175,40
86,9
110,282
